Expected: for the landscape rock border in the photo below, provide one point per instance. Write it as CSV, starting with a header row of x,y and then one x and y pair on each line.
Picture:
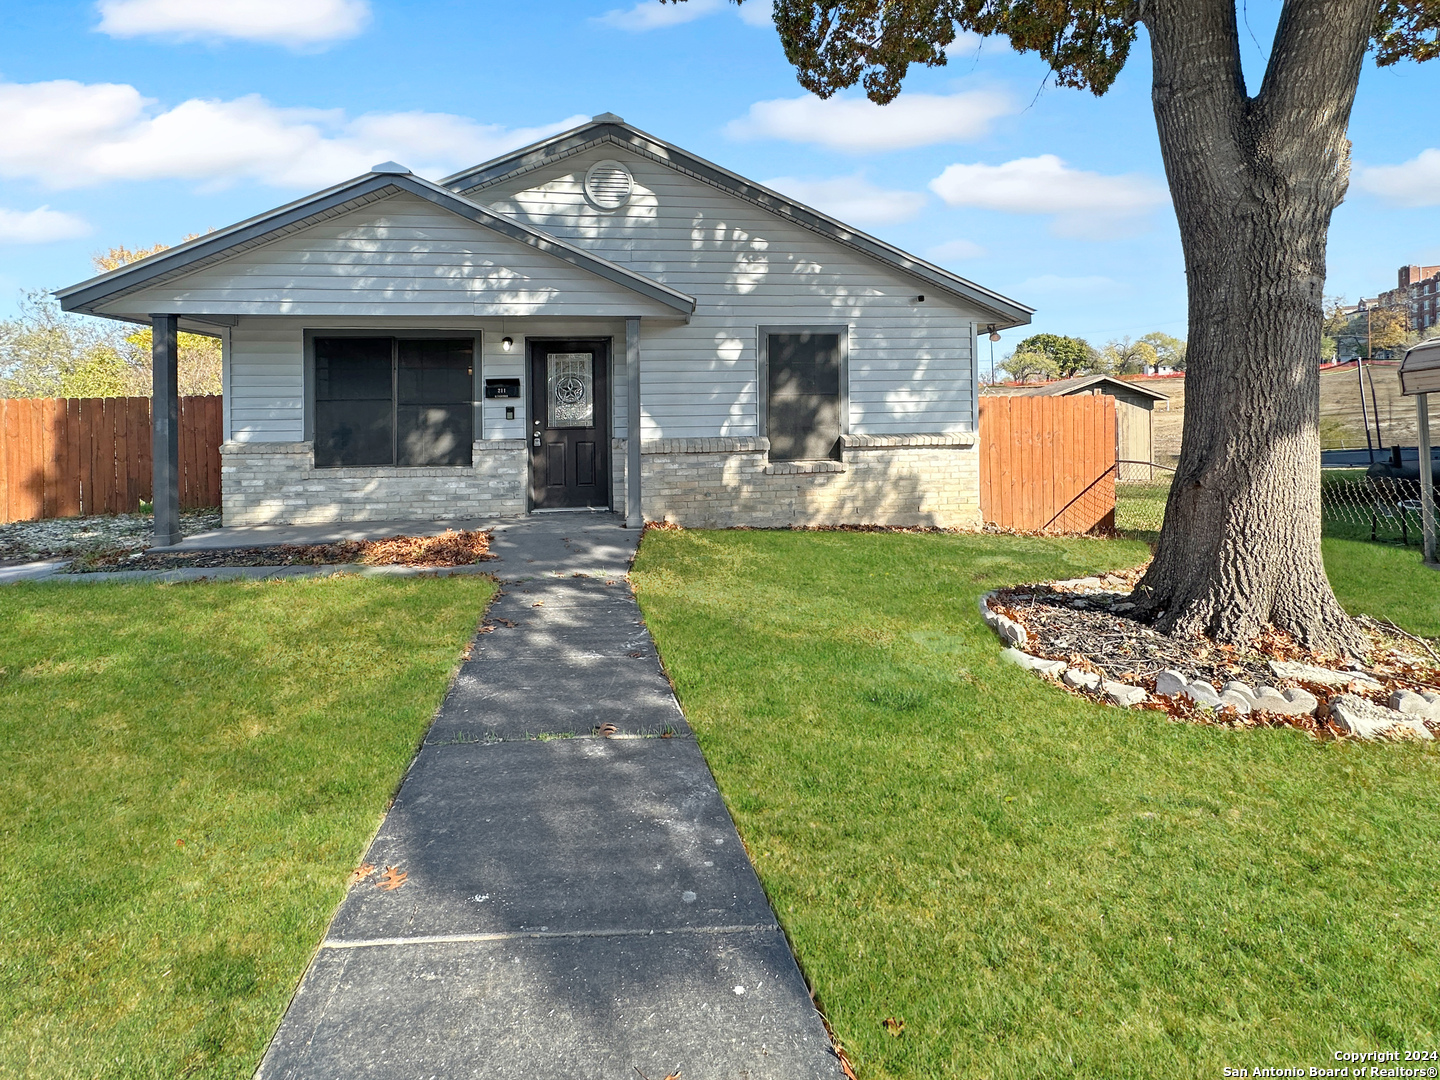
x,y
1355,701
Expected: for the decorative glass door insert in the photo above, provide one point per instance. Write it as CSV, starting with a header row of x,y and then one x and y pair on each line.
x,y
570,390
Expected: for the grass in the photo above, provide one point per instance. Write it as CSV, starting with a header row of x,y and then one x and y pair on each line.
x,y
1036,885
191,771
1385,581
1382,578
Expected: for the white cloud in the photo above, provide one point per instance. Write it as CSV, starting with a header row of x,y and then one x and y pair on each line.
x,y
852,199
1413,183
294,23
1049,284
757,12
858,125
1083,204
653,15
956,251
39,226
966,44
67,134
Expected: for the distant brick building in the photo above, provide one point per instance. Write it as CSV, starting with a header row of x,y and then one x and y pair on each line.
x,y
1418,291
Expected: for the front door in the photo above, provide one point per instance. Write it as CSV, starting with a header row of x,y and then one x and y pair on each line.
x,y
569,424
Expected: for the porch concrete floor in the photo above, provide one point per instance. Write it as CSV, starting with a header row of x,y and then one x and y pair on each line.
x,y
575,905
582,541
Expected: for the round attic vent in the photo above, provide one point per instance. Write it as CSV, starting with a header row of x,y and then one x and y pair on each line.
x,y
608,185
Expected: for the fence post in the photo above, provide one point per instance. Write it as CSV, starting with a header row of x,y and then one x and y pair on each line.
x,y
1427,477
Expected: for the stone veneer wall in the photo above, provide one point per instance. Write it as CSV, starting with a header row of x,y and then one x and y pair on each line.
x,y
910,480
703,483
278,483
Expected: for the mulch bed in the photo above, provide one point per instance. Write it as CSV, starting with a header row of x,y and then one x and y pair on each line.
x,y
450,548
1094,631
50,538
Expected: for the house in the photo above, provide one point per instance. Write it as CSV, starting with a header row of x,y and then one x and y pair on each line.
x,y
486,345
1134,417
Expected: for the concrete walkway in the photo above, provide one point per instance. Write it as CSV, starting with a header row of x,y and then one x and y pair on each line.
x,y
575,906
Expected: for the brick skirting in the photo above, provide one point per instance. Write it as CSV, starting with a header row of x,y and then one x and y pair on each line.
x,y
880,480
924,479
278,483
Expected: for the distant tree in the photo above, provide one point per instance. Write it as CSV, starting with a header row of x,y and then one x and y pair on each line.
x,y
200,360
1126,357
1024,366
1169,351
1345,326
46,353
120,255
1072,355
1389,328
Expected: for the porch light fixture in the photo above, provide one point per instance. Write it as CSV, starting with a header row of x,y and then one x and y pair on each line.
x,y
507,343
994,336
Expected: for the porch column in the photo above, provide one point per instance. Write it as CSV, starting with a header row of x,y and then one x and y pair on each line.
x,y
165,428
1427,478
634,511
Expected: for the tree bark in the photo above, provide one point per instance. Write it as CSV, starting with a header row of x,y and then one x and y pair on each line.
x,y
1254,181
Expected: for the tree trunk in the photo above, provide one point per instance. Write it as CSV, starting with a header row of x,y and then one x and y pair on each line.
x,y
1254,181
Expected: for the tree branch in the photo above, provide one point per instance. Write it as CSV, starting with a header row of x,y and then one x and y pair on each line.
x,y
1315,59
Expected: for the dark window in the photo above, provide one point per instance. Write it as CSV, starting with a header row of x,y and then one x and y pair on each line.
x,y
389,401
803,396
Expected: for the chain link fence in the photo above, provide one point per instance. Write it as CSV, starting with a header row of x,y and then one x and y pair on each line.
x,y
1353,506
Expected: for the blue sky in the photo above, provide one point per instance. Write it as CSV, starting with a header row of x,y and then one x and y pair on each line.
x,y
136,121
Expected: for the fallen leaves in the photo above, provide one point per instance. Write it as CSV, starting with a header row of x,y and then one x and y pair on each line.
x,y
607,730
893,1026
392,879
450,548
389,881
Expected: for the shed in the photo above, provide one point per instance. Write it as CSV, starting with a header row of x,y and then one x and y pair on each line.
x,y
1134,417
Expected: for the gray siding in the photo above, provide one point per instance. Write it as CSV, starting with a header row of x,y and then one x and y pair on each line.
x,y
911,364
266,372
400,256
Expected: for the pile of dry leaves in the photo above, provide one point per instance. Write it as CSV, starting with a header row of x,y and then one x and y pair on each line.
x,y
450,548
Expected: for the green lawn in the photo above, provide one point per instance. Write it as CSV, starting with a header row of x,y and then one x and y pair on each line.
x,y
1038,886
190,773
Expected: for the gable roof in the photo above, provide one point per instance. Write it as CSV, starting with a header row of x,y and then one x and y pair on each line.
x,y
1105,384
610,129
354,194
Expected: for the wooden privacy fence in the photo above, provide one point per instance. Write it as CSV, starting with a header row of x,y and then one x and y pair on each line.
x,y
62,457
1048,463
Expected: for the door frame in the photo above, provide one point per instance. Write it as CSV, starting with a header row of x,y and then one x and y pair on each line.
x,y
605,363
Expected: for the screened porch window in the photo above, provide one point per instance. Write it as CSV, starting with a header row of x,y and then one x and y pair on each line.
x,y
394,401
802,405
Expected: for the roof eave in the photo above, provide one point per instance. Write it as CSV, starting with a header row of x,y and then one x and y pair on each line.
x,y
86,295
1008,313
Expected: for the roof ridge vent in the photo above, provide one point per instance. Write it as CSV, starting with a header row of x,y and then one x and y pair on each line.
x,y
607,118
390,167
